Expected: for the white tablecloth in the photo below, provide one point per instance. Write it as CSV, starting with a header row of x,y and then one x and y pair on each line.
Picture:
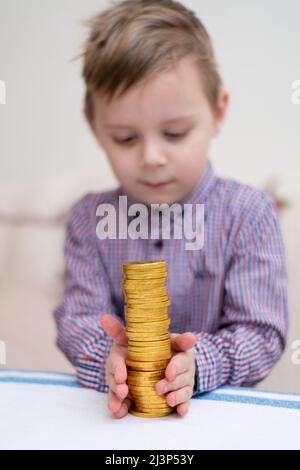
x,y
42,410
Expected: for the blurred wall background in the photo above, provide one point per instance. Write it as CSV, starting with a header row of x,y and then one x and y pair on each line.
x,y
48,158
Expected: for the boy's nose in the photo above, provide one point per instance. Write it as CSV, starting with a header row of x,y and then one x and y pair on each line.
x,y
152,156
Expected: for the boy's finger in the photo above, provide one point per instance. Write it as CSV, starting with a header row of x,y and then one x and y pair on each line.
x,y
121,390
182,408
183,342
164,386
117,368
123,410
114,328
114,404
179,396
178,364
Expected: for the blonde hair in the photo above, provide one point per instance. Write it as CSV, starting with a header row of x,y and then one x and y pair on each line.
x,y
136,39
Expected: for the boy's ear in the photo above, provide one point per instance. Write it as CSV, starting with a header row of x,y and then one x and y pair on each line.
x,y
220,114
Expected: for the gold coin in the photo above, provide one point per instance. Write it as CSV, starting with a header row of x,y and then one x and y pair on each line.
x,y
159,399
148,357
139,344
149,324
144,286
156,323
140,269
149,349
148,401
144,310
163,344
132,282
145,299
147,388
146,317
143,347
143,380
150,414
146,336
143,293
153,290
152,374
146,313
150,306
148,331
149,302
142,272
143,395
147,277
141,351
145,262
142,406
147,397
156,310
147,366
146,406
142,320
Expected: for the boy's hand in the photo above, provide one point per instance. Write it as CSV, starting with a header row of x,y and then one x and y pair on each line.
x,y
180,372
119,399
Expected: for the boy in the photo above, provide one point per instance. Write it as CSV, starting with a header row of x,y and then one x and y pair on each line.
x,y
154,102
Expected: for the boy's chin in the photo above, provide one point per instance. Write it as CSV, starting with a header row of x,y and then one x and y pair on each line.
x,y
159,199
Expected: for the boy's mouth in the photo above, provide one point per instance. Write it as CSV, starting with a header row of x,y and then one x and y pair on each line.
x,y
156,185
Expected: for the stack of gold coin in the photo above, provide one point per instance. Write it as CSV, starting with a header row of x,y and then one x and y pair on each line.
x,y
147,329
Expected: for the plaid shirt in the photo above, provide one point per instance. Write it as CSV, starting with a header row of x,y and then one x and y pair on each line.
x,y
232,293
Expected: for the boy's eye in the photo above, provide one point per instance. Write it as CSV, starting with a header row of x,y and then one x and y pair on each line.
x,y
173,135
170,135
128,140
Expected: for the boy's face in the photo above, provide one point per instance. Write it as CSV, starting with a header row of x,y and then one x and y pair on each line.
x,y
159,132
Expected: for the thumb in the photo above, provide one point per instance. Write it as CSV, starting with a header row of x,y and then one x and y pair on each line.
x,y
183,342
114,328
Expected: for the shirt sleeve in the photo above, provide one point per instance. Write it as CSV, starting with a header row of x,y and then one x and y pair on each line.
x,y
253,326
86,296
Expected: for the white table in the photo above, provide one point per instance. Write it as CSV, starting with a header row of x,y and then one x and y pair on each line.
x,y
43,410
